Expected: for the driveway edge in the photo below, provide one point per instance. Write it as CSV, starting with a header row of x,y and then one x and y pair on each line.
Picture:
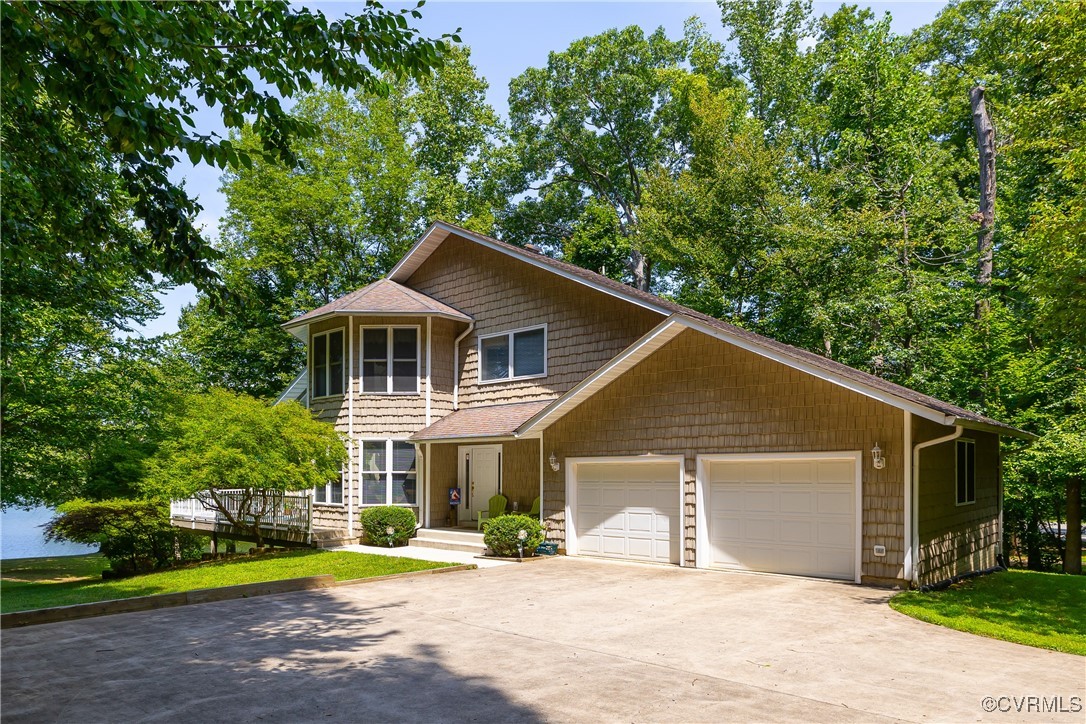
x,y
56,614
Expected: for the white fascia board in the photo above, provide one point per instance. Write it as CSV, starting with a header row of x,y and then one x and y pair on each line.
x,y
795,363
357,313
639,350
432,237
403,270
985,427
300,331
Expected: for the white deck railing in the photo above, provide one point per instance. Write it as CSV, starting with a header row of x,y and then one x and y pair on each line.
x,y
276,511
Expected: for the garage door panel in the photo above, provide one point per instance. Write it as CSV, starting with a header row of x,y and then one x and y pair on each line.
x,y
785,516
796,502
760,501
625,510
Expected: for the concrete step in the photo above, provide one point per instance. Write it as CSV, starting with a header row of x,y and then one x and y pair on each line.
x,y
332,538
446,539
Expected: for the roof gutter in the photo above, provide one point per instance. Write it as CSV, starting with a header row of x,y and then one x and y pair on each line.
x,y
915,532
456,364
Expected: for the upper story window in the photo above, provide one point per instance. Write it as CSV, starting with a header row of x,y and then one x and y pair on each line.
x,y
513,355
328,368
390,360
966,456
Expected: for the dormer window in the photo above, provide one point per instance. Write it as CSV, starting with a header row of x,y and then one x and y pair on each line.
x,y
514,355
328,368
390,360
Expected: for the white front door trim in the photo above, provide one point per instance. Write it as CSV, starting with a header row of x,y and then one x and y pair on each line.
x,y
571,493
702,552
466,473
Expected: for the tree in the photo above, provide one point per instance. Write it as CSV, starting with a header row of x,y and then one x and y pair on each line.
x,y
297,236
135,535
98,101
221,440
128,76
590,126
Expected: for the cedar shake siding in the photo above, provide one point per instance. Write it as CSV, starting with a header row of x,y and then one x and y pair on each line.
x,y
698,395
956,539
442,460
520,472
585,327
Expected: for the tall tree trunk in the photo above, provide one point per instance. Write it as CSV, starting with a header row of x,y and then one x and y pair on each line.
x,y
982,124
1072,556
639,270
1033,539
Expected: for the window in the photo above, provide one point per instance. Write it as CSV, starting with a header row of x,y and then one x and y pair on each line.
x,y
331,493
390,359
388,473
513,355
966,456
328,364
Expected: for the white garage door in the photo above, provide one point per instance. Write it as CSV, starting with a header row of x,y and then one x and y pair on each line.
x,y
627,510
783,516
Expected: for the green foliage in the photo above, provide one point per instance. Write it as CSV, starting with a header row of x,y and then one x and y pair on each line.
x,y
376,522
99,100
21,592
127,77
296,236
135,535
502,534
221,440
1035,609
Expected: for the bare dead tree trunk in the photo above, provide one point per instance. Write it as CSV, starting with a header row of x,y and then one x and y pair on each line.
x,y
639,270
1072,557
982,124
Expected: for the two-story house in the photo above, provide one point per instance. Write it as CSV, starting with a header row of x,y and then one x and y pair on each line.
x,y
650,432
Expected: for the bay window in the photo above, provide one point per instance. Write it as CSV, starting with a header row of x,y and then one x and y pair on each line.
x,y
390,360
327,362
388,473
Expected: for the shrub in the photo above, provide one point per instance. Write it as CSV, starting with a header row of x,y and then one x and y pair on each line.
x,y
377,521
135,535
501,535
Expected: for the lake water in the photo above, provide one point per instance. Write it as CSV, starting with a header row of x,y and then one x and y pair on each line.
x,y
22,536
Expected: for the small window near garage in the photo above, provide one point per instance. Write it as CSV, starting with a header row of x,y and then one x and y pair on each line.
x,y
390,360
388,473
513,355
328,365
330,493
966,456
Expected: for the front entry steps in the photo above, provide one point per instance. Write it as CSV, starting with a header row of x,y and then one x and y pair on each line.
x,y
449,539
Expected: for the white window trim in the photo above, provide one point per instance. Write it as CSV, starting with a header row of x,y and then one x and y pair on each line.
x,y
388,473
388,360
509,334
962,503
343,493
328,368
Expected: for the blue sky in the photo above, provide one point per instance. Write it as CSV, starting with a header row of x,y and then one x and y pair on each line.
x,y
505,38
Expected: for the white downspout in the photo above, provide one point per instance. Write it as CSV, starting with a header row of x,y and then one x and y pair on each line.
x,y
958,430
428,348
456,364
350,427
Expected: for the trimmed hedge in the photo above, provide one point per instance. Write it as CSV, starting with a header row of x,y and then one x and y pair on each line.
x,y
501,534
376,522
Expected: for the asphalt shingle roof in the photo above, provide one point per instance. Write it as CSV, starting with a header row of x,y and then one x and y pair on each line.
x,y
488,421
383,296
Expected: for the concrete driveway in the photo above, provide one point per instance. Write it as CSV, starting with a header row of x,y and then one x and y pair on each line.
x,y
565,639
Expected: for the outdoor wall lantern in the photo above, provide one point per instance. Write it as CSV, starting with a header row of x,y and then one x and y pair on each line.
x,y
876,457
553,459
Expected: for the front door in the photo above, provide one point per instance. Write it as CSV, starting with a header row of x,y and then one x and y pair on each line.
x,y
480,478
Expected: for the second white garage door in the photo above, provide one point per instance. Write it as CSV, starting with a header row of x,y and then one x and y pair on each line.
x,y
626,510
781,515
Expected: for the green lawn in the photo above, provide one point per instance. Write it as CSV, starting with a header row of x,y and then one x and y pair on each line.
x,y
1046,610
27,583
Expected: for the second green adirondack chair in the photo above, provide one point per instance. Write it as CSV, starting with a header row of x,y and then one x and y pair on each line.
x,y
534,512
495,507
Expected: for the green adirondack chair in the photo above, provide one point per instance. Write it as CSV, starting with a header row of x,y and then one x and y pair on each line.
x,y
495,508
534,512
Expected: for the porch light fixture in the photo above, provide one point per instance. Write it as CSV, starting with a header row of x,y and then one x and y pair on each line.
x,y
876,457
553,460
